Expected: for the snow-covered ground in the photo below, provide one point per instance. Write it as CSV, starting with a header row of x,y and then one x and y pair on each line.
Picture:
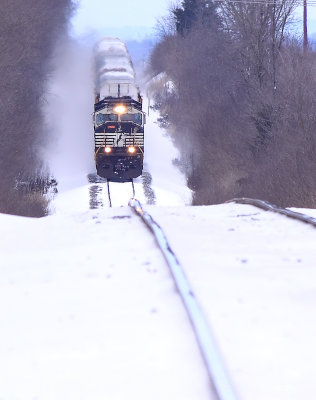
x,y
88,309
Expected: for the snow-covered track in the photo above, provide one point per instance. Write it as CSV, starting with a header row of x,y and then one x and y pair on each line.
x,y
272,207
215,366
109,191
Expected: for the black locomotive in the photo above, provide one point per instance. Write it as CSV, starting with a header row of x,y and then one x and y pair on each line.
x,y
119,138
118,116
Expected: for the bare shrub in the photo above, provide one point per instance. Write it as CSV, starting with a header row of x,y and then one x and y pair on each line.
x,y
206,104
28,31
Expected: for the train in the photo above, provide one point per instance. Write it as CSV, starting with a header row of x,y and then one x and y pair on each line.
x,y
118,116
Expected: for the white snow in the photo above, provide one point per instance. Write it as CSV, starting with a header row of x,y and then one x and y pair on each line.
x,y
88,308
86,312
68,110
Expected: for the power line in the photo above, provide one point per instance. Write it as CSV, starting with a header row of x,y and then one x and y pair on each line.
x,y
266,2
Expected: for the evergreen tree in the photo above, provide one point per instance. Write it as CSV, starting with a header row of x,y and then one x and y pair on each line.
x,y
192,12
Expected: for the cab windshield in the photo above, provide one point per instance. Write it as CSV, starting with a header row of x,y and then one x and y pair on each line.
x,y
102,118
136,118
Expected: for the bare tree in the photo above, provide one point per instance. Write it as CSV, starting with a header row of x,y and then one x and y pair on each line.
x,y
166,24
28,31
258,28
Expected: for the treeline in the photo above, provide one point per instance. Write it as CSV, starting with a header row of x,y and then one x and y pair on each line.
x,y
29,30
238,94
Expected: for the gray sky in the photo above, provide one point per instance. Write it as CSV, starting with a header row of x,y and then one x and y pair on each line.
x,y
134,19
109,16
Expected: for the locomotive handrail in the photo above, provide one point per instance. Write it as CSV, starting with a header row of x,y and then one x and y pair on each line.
x,y
215,366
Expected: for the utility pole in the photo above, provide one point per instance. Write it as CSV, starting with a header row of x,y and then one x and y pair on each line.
x,y
273,40
305,42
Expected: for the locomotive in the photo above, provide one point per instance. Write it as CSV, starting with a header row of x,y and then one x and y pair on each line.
x,y
118,116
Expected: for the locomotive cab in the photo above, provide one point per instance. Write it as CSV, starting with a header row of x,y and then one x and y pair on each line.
x,y
119,138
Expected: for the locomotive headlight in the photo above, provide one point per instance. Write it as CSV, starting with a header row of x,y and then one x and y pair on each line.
x,y
131,149
120,109
107,150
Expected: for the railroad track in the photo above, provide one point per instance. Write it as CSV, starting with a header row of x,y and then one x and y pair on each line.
x,y
131,195
219,378
265,205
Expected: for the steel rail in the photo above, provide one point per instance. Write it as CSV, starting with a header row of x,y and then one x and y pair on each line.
x,y
214,363
109,192
133,187
265,205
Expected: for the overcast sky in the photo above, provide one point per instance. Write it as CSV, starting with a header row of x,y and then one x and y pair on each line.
x,y
111,16
133,19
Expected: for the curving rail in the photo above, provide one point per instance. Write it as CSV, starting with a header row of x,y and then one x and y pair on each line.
x,y
265,205
219,377
215,366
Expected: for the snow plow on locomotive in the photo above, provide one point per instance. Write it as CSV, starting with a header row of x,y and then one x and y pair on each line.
x,y
118,116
